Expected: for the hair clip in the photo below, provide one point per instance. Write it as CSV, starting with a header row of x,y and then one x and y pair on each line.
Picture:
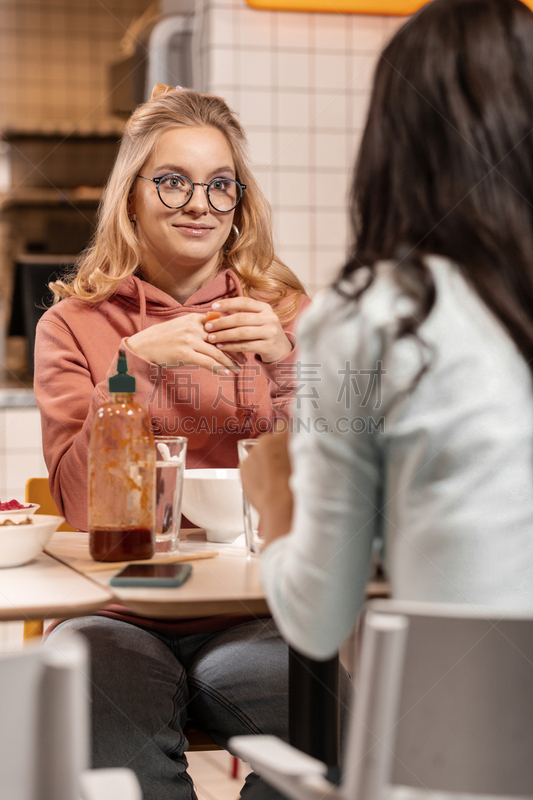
x,y
161,89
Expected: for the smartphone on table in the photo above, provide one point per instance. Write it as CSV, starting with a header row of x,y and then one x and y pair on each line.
x,y
156,575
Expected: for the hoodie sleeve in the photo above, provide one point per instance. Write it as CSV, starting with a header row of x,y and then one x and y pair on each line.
x,y
67,399
285,376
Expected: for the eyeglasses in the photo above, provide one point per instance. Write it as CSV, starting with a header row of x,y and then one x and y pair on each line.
x,y
175,191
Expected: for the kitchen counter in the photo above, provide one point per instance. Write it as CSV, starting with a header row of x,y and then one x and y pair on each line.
x,y
17,394
80,197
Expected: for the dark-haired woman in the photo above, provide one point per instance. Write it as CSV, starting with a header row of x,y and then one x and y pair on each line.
x,y
423,433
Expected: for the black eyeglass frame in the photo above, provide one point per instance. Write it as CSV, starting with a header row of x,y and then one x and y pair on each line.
x,y
157,182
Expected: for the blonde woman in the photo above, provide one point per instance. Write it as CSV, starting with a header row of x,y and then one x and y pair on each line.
x,y
183,230
183,227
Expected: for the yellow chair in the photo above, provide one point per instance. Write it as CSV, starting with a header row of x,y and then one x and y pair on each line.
x,y
38,491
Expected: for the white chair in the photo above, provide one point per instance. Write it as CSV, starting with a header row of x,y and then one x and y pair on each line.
x,y
443,703
44,729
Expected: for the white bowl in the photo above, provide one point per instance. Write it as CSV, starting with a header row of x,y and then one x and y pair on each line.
x,y
212,499
20,543
28,510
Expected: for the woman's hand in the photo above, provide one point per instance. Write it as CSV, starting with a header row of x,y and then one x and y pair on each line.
x,y
248,326
265,481
183,341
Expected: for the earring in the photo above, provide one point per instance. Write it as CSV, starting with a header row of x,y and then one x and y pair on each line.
x,y
235,230
133,220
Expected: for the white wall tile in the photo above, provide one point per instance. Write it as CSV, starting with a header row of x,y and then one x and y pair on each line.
x,y
329,264
363,72
22,429
265,179
357,109
2,429
3,477
330,32
255,27
221,67
332,110
260,147
293,109
331,230
299,260
391,25
293,150
293,70
332,189
366,32
21,466
295,189
222,20
331,71
331,150
293,228
255,68
293,30
232,98
352,146
255,107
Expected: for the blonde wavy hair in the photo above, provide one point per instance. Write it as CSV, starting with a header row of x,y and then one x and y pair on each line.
x,y
115,253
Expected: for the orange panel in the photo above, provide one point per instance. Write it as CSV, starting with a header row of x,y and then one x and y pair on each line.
x,y
399,8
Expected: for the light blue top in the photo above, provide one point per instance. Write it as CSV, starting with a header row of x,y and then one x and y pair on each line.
x,y
444,472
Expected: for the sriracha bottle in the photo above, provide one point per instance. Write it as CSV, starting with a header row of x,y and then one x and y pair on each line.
x,y
121,475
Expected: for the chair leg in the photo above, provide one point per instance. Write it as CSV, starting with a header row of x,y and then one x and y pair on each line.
x,y
33,629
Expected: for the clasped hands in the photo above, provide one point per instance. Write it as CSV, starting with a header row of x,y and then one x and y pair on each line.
x,y
245,326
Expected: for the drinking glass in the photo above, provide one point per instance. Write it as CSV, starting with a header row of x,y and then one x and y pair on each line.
x,y
254,542
169,466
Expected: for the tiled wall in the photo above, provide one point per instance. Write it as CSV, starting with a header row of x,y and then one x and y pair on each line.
x,y
54,57
300,83
20,451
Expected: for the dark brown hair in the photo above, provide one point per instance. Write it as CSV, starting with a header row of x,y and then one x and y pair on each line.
x,y
446,160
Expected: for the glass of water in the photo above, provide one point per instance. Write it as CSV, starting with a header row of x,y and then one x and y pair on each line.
x,y
254,542
170,466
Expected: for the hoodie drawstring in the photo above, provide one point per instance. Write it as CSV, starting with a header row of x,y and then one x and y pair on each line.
x,y
142,301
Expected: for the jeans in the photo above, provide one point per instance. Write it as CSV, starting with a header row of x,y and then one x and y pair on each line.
x,y
145,685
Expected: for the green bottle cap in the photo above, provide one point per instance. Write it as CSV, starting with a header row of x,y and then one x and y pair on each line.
x,y
121,383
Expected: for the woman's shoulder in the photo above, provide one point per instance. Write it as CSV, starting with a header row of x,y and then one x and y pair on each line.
x,y
69,308
365,298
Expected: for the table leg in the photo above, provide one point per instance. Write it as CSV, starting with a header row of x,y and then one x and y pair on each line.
x,y
314,706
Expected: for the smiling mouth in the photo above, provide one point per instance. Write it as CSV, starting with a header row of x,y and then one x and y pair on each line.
x,y
194,230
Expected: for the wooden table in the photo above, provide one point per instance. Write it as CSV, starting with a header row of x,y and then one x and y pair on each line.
x,y
45,588
226,584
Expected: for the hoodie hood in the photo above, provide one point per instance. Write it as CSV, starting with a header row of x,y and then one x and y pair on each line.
x,y
136,293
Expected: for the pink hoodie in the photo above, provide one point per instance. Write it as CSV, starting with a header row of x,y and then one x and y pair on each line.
x,y
76,351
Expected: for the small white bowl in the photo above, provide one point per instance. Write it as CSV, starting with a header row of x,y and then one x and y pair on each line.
x,y
212,499
20,543
28,510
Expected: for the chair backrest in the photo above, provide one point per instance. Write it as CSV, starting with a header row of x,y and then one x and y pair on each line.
x,y
44,722
444,702
38,491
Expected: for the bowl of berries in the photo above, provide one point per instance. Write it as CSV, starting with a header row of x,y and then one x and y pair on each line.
x,y
10,507
23,538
